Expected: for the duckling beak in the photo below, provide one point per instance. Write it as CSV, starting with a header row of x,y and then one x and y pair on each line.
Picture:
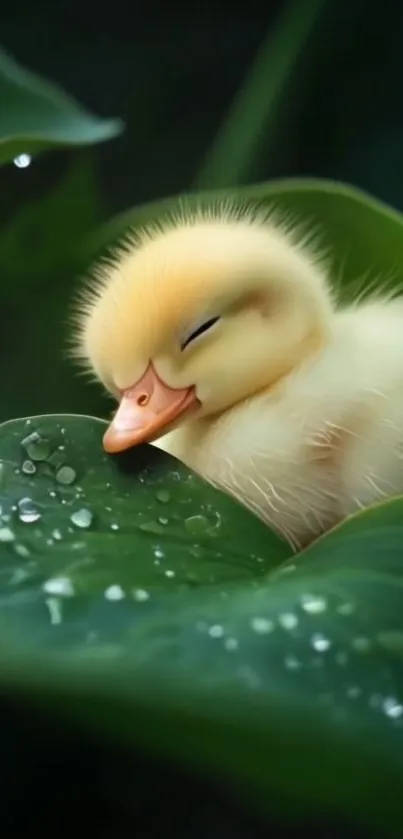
x,y
145,410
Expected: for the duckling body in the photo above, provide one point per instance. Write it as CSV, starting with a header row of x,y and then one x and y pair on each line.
x,y
325,442
221,339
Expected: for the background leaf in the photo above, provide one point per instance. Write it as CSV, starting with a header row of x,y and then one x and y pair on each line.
x,y
242,668
36,115
253,118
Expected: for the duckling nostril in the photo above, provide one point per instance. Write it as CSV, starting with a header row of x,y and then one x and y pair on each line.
x,y
142,399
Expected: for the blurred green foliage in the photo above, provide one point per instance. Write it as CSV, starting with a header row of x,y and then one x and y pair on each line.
x,y
229,107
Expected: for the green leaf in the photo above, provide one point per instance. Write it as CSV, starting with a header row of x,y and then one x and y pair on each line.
x,y
362,235
82,512
251,122
285,676
37,115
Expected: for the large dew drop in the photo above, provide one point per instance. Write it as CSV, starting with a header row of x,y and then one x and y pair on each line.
x,y
6,534
61,586
152,527
28,467
196,525
36,447
27,512
312,604
262,626
163,496
65,475
320,643
82,518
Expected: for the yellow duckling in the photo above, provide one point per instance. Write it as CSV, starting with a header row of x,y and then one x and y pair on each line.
x,y
221,339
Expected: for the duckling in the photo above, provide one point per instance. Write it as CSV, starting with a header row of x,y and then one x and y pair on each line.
x,y
220,337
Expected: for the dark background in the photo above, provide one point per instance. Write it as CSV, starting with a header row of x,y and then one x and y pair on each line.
x,y
171,73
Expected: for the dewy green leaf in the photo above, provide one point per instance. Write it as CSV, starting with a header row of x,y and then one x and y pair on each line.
x,y
69,511
36,115
363,236
157,610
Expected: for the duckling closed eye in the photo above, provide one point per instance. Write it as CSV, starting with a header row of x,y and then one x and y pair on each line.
x,y
221,339
204,327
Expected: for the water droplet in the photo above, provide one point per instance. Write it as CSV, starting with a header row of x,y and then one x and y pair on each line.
x,y
158,552
114,593
66,475
353,692
21,550
312,604
22,161
292,663
6,535
169,573
163,520
216,631
231,644
320,643
196,524
82,518
152,527
361,645
28,467
163,496
140,594
27,512
392,707
262,625
288,620
56,534
60,586
55,610
345,609
114,526
36,447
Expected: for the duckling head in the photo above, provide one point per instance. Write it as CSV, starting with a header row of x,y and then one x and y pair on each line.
x,y
191,318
